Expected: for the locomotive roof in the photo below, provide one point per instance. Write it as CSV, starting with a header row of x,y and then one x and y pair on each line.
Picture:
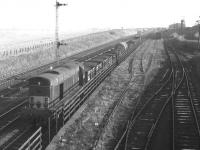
x,y
109,53
91,63
65,73
72,65
112,52
131,41
101,58
57,75
44,79
88,67
124,44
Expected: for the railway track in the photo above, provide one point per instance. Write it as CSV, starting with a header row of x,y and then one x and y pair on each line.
x,y
143,123
12,115
186,127
15,132
18,139
144,120
185,110
108,117
122,108
177,92
145,115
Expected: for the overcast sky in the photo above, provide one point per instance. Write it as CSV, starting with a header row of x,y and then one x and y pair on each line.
x,y
85,14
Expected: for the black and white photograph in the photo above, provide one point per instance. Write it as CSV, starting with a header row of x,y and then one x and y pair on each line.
x,y
99,75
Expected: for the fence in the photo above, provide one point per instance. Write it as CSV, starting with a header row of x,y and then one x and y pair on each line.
x,y
34,142
5,53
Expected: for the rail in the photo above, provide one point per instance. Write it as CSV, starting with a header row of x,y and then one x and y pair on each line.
x,y
144,119
185,116
34,142
148,122
108,116
186,128
11,116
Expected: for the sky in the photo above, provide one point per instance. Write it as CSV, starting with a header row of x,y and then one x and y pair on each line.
x,y
81,15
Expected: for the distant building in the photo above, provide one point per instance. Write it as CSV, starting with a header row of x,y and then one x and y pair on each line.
x,y
178,25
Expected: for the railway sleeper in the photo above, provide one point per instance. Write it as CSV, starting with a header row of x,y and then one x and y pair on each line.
x,y
190,133
188,119
147,115
192,143
165,95
181,95
156,100
186,138
184,113
196,99
182,102
185,117
184,107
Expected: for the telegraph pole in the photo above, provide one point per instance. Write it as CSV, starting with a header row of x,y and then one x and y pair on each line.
x,y
198,21
56,32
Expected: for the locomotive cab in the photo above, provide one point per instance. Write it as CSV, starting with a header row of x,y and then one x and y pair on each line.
x,y
47,90
40,91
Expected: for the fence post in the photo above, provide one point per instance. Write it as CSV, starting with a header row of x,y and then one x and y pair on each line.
x,y
29,145
49,123
63,116
56,122
41,138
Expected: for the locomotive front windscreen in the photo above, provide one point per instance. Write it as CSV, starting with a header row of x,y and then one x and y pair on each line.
x,y
39,87
39,91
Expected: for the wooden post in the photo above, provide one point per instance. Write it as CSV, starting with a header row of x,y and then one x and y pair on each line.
x,y
49,124
63,116
40,138
56,122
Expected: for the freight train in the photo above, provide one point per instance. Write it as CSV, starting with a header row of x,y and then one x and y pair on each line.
x,y
50,87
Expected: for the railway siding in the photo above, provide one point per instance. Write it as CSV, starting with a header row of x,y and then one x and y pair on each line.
x,y
132,97
179,122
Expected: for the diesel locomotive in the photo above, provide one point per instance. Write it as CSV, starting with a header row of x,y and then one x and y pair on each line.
x,y
50,87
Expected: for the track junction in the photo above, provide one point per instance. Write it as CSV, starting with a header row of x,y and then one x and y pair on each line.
x,y
176,93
